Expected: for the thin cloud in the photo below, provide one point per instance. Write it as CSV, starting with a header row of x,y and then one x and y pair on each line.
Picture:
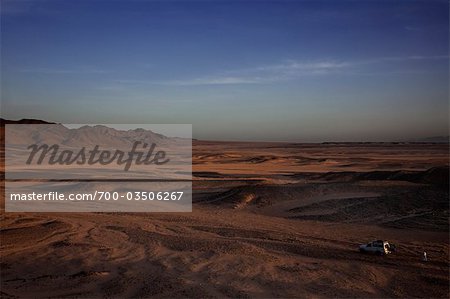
x,y
402,58
51,71
216,81
302,66
289,70
262,74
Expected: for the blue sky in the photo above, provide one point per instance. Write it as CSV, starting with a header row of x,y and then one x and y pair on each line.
x,y
235,70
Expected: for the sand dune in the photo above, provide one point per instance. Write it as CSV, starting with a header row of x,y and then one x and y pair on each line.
x,y
212,253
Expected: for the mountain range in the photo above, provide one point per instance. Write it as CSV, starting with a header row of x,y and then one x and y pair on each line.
x,y
43,132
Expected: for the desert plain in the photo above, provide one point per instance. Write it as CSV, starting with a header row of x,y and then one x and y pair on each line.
x,y
269,220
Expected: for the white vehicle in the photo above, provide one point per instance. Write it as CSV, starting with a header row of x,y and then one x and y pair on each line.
x,y
379,247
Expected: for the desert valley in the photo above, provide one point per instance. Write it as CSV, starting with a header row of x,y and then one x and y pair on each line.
x,y
268,220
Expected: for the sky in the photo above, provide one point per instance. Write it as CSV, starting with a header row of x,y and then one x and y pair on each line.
x,y
300,71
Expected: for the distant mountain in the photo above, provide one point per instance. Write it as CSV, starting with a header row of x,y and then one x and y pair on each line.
x,y
84,136
434,139
23,121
